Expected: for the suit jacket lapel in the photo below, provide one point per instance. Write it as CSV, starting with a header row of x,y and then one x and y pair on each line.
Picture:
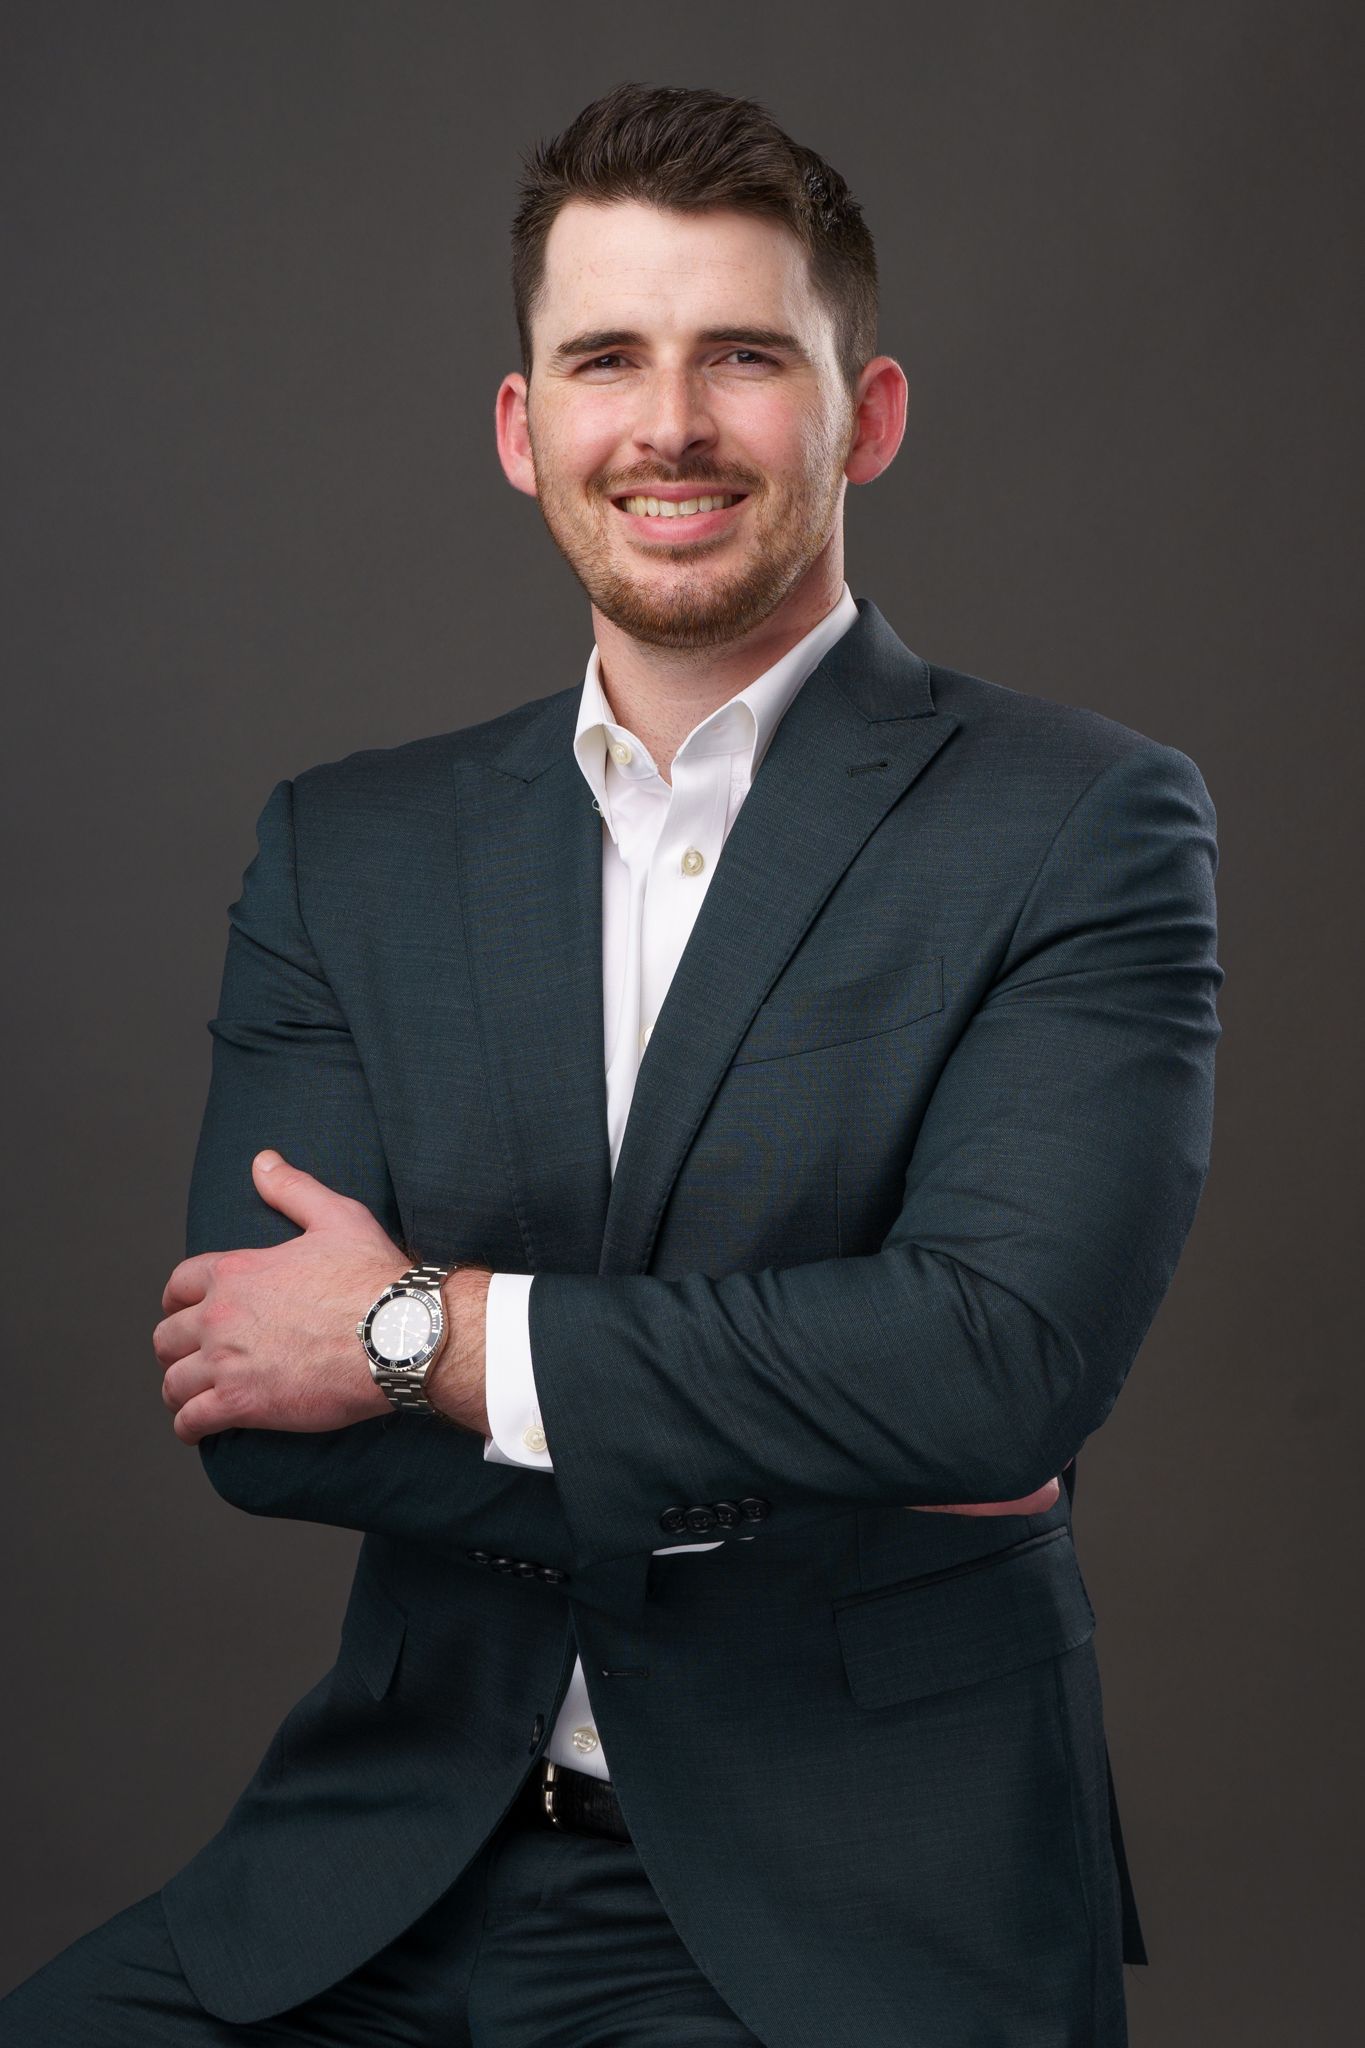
x,y
530,881
857,733
859,730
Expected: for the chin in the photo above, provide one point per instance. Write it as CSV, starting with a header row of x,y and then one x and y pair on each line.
x,y
687,619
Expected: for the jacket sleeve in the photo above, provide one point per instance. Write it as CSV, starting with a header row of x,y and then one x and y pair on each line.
x,y
1046,1201
286,1072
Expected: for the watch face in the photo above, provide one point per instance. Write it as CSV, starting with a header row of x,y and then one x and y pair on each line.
x,y
401,1329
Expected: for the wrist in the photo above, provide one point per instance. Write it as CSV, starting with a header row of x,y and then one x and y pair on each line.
x,y
455,1383
403,1333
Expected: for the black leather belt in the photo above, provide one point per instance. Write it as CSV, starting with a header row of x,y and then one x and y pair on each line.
x,y
574,1801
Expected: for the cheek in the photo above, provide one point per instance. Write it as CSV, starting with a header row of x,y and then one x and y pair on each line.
x,y
786,446
597,434
571,449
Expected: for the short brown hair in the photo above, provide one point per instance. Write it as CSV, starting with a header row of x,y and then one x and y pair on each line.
x,y
689,149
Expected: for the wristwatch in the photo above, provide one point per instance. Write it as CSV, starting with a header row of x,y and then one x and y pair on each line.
x,y
402,1334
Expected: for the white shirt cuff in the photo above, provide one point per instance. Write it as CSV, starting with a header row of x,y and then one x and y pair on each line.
x,y
518,1437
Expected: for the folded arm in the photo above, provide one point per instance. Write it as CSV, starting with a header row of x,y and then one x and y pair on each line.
x,y
1050,1190
287,1075
513,1406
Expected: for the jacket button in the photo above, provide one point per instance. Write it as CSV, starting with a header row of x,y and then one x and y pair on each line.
x,y
673,1519
754,1509
701,1518
537,1730
727,1514
552,1575
501,1564
525,1569
479,1556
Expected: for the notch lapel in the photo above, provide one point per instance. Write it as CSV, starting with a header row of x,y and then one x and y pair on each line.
x,y
530,880
858,732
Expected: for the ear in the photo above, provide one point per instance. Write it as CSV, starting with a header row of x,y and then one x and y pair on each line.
x,y
513,434
881,400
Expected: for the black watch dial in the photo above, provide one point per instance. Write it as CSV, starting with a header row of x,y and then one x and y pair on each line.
x,y
401,1329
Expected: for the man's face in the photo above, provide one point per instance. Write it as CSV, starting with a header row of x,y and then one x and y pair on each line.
x,y
688,401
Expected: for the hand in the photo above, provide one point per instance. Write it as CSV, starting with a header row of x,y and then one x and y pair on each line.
x,y
1031,1504
265,1339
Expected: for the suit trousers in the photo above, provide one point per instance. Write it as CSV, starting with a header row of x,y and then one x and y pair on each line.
x,y
546,1940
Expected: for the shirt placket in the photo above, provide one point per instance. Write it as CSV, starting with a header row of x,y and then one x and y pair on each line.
x,y
684,859
636,817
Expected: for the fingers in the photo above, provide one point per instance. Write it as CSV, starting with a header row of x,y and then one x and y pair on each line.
x,y
296,1194
203,1416
189,1282
1036,1503
184,1380
178,1335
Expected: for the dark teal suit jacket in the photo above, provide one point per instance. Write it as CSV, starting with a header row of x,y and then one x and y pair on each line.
x,y
912,1154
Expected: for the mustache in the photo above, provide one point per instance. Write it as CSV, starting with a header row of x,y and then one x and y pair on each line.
x,y
640,486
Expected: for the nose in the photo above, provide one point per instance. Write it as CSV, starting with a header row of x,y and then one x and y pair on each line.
x,y
675,417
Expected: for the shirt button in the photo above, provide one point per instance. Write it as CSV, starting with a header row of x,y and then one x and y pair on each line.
x,y
584,1740
622,753
533,1438
692,862
645,1030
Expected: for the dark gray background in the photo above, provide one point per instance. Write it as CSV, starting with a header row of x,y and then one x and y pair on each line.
x,y
256,309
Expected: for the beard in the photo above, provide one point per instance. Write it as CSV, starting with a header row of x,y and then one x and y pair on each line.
x,y
698,605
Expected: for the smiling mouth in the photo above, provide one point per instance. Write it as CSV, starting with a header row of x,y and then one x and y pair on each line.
x,y
640,505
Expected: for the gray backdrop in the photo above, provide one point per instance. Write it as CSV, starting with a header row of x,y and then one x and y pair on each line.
x,y
256,309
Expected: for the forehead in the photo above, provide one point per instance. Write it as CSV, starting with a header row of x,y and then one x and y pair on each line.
x,y
634,265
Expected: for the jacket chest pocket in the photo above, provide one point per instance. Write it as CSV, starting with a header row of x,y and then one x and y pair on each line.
x,y
977,1621
803,1020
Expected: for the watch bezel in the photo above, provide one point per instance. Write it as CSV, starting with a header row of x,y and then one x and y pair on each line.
x,y
414,1367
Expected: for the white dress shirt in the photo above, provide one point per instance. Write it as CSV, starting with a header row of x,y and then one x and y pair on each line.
x,y
660,845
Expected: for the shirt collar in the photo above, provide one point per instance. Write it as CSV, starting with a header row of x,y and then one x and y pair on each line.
x,y
743,725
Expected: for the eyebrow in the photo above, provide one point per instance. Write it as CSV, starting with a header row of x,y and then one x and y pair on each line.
x,y
597,340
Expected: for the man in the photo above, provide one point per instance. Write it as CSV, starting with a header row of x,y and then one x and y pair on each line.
x,y
659,1140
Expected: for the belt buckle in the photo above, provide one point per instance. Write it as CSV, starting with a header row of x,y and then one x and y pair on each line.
x,y
549,1779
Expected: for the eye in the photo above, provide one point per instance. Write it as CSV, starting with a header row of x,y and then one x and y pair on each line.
x,y
752,359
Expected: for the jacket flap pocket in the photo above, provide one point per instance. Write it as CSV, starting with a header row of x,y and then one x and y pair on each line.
x,y
799,1020
977,1621
372,1632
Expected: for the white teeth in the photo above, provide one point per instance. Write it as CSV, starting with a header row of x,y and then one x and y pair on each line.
x,y
667,508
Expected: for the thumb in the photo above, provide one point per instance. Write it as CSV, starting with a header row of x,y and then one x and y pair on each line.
x,y
293,1192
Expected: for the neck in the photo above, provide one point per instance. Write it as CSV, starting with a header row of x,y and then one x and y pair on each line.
x,y
661,693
